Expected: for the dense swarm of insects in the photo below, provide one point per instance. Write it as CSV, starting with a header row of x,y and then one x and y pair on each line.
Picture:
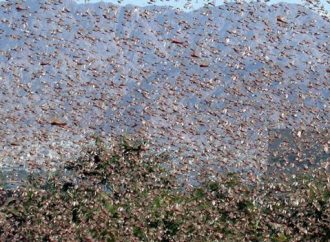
x,y
233,100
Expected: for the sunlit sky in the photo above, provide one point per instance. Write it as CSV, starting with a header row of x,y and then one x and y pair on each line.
x,y
180,3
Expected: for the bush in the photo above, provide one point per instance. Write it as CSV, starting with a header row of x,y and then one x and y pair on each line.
x,y
119,194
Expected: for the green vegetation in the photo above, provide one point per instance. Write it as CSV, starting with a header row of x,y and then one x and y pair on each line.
x,y
120,195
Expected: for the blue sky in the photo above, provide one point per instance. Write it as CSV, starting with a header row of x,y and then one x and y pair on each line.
x,y
194,3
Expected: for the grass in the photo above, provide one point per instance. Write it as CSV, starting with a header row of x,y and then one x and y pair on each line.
x,y
143,202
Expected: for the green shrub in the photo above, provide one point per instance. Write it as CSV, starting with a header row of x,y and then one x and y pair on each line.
x,y
120,194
